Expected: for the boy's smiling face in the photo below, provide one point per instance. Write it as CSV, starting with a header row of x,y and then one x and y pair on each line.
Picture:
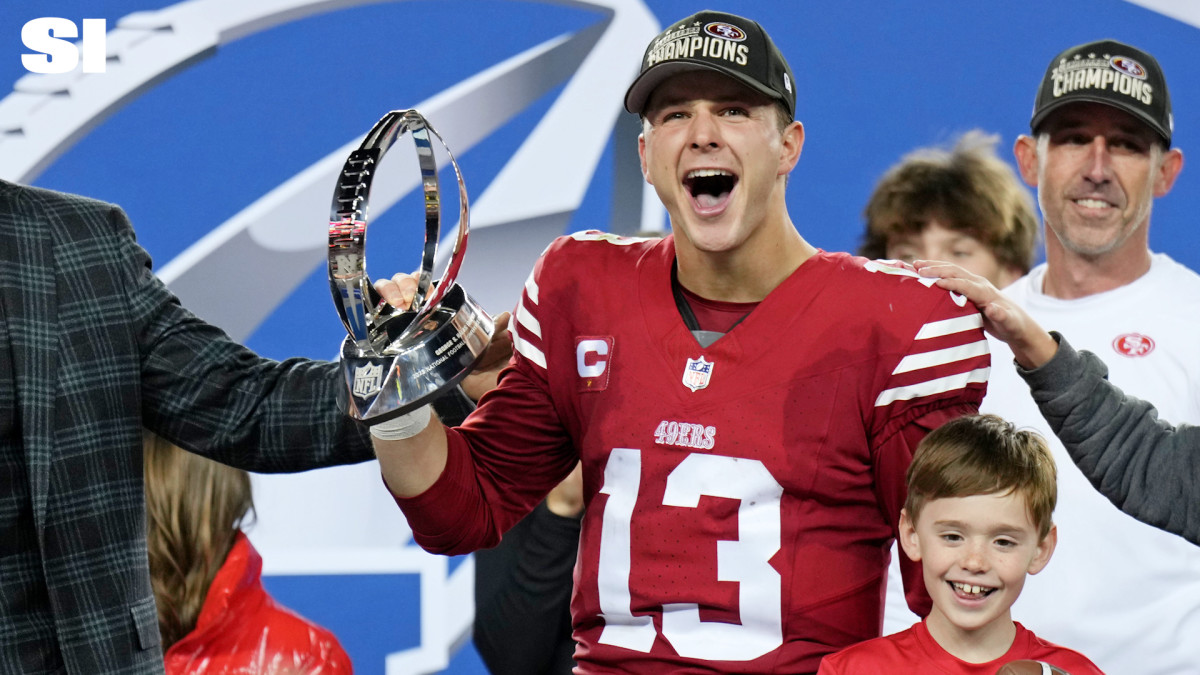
x,y
975,552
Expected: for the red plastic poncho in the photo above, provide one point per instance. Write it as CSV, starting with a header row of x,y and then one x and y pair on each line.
x,y
243,631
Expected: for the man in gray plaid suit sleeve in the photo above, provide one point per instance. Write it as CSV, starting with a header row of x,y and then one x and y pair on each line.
x,y
92,348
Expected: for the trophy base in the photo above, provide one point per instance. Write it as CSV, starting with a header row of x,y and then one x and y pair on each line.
x,y
421,364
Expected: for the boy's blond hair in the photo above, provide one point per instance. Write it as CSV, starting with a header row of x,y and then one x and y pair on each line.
x,y
980,455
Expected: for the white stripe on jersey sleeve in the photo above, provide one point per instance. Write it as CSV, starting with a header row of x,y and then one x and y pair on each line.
x,y
941,357
949,326
531,288
931,387
526,321
528,351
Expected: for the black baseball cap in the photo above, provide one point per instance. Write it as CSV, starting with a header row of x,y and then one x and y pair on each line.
x,y
1108,72
725,43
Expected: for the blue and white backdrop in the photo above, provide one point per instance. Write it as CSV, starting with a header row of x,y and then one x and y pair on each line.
x,y
219,125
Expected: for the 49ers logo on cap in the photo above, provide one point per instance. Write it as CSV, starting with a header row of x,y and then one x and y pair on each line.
x,y
726,31
1133,345
1128,66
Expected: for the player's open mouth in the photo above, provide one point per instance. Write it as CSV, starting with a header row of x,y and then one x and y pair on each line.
x,y
971,591
710,188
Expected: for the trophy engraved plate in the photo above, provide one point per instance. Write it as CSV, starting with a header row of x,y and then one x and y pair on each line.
x,y
396,361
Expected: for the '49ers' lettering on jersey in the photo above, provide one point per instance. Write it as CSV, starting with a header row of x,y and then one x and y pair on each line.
x,y
685,435
741,526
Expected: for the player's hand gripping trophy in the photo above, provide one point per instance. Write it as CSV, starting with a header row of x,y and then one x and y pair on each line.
x,y
396,361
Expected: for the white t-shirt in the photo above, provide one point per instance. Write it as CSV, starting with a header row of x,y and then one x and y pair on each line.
x,y
1125,594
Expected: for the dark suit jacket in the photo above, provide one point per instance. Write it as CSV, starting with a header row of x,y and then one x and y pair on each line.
x,y
98,348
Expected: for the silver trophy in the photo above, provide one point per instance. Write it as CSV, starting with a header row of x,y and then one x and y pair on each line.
x,y
396,361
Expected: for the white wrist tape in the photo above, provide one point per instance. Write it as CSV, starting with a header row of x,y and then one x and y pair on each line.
x,y
404,426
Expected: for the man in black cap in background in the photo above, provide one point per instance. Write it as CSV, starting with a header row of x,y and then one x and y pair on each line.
x,y
745,405
1125,593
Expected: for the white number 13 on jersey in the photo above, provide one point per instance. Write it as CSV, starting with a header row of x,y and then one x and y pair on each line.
x,y
744,560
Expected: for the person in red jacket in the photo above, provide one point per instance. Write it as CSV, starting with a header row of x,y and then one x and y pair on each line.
x,y
213,613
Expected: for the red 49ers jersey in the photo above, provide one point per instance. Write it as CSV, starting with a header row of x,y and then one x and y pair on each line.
x,y
741,499
915,652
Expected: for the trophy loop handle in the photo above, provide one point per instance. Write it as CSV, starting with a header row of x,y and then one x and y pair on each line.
x,y
370,322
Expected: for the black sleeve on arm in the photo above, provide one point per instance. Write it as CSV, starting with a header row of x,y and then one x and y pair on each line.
x,y
453,407
213,396
1143,465
523,597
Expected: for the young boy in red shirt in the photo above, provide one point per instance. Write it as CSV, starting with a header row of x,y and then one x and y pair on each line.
x,y
978,518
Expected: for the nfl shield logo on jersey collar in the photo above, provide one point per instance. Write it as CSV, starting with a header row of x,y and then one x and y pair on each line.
x,y
697,373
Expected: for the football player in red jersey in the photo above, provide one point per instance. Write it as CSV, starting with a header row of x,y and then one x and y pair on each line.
x,y
744,405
